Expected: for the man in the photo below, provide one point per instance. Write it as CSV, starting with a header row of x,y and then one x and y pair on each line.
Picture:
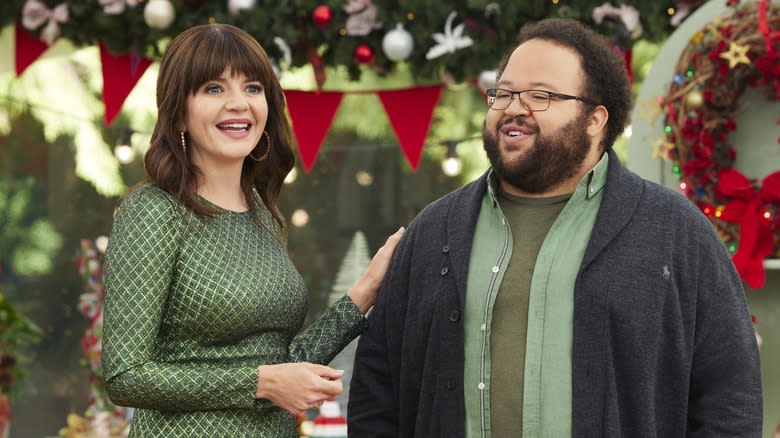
x,y
559,294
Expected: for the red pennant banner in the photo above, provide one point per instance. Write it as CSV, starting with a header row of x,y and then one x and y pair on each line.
x,y
27,49
311,114
120,74
410,112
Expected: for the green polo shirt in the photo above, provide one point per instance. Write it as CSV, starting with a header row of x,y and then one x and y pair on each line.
x,y
546,386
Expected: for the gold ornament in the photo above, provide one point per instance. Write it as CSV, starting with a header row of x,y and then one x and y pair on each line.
x,y
697,37
694,99
736,55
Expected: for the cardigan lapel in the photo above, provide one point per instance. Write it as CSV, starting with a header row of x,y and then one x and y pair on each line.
x,y
462,214
621,197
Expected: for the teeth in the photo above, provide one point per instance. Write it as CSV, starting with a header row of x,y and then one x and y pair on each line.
x,y
234,126
514,133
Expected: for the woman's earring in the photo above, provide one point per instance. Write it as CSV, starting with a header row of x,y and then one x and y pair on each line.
x,y
267,149
183,142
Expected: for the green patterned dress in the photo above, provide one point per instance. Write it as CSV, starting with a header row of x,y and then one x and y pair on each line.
x,y
193,305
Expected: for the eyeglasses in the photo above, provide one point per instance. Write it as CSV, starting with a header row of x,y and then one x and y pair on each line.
x,y
532,100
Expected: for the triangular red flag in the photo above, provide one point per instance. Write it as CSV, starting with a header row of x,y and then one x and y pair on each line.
x,y
311,114
410,112
120,74
27,49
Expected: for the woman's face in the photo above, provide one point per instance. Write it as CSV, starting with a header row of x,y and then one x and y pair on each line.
x,y
225,119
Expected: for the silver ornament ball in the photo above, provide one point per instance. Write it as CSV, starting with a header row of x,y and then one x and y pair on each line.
x,y
487,79
236,6
159,14
397,44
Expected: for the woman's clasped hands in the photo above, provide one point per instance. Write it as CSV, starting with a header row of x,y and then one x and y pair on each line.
x,y
297,387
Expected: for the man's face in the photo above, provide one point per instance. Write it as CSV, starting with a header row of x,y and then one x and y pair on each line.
x,y
536,152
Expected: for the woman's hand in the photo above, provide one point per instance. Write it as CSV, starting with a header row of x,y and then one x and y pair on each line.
x,y
297,387
364,292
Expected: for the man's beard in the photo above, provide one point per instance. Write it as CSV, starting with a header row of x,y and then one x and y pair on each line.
x,y
551,160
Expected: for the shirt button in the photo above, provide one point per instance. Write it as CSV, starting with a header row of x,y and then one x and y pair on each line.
x,y
446,248
495,269
445,270
454,316
481,386
450,384
483,327
592,189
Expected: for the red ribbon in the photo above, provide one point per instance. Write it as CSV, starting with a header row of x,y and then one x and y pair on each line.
x,y
763,27
747,208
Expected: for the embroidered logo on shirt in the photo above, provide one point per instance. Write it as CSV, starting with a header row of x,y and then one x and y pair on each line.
x,y
667,273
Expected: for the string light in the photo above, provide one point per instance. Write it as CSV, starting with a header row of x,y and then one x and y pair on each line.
x,y
291,176
299,217
364,178
452,165
123,151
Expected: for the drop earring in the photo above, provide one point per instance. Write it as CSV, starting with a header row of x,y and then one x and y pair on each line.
x,y
183,142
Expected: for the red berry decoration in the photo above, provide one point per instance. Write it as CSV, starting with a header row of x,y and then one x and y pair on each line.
x,y
364,54
322,16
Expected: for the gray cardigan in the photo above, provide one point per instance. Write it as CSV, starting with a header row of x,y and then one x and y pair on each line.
x,y
663,341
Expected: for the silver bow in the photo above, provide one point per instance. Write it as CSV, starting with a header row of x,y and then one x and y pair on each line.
x,y
35,13
116,7
450,41
627,14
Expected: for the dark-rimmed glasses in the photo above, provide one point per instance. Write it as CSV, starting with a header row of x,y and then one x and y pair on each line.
x,y
532,100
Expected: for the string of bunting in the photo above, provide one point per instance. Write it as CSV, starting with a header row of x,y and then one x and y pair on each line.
x,y
727,56
409,110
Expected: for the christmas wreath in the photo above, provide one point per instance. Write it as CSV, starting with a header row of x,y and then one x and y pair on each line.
x,y
724,58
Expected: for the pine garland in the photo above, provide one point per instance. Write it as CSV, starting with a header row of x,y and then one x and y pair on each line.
x,y
492,25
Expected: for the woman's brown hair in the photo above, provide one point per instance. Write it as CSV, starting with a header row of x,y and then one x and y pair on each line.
x,y
195,56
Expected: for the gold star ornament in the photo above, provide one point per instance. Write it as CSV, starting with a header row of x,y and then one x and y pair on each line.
x,y
736,55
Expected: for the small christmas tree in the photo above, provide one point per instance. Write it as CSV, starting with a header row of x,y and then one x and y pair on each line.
x,y
353,265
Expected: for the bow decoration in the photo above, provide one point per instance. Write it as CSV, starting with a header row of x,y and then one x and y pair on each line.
x,y
747,207
449,41
35,13
628,15
116,7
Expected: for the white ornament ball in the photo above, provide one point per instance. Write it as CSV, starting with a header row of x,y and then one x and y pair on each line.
x,y
236,6
487,79
159,14
101,243
397,44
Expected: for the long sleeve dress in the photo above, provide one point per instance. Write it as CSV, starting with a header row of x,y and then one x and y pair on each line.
x,y
192,306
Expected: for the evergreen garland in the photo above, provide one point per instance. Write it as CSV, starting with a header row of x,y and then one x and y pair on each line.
x,y
492,26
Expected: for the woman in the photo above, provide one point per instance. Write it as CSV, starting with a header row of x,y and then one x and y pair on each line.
x,y
202,301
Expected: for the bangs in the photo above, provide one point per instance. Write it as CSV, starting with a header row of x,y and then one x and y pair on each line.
x,y
217,50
